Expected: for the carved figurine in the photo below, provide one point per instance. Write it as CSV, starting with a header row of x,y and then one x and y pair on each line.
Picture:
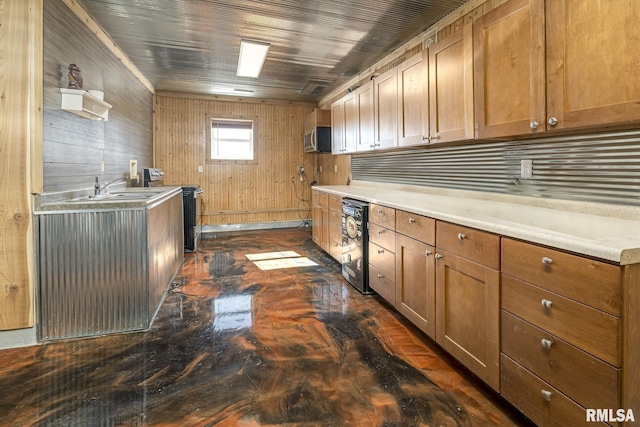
x,y
75,77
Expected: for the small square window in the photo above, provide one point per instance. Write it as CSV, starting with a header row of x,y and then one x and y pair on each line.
x,y
231,140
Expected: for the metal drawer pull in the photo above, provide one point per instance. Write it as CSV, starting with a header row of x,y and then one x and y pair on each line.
x,y
546,395
546,344
380,251
380,276
461,236
427,252
547,260
411,220
438,256
379,211
380,231
546,303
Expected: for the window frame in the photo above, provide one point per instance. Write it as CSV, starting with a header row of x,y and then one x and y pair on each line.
x,y
208,130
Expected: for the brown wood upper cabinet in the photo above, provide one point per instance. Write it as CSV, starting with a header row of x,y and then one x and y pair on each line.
x,y
593,69
509,70
413,100
353,118
451,87
337,127
385,95
366,117
591,75
316,118
344,129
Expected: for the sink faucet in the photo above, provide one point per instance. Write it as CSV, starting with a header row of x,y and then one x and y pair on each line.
x,y
98,189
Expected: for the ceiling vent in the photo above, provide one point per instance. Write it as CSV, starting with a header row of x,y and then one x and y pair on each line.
x,y
314,87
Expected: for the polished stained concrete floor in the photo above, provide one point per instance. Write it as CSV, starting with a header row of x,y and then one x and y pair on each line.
x,y
237,345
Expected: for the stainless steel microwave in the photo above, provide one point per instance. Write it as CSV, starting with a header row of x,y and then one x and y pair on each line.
x,y
318,140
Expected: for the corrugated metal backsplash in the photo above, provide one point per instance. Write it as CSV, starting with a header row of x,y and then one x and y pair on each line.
x,y
596,167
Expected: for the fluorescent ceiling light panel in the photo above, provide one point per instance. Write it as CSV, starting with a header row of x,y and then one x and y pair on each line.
x,y
252,56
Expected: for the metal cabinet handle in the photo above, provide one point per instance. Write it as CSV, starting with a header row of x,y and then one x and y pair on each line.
x,y
461,236
438,256
547,260
534,125
427,252
380,276
552,121
380,231
380,251
411,220
546,344
546,303
546,395
379,211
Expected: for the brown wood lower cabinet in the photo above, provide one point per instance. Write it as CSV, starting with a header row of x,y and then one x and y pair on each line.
x,y
468,314
416,283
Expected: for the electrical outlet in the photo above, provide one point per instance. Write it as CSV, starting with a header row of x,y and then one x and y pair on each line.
x,y
133,169
526,168
335,168
101,166
200,168
320,168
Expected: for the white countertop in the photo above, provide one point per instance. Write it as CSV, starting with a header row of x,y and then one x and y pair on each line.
x,y
606,231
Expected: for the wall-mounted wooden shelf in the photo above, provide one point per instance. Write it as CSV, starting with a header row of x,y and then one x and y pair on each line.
x,y
84,104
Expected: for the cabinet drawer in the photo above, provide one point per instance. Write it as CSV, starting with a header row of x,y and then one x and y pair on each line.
x,y
469,243
383,284
417,227
591,330
335,202
543,404
323,198
383,259
383,216
591,282
587,380
382,237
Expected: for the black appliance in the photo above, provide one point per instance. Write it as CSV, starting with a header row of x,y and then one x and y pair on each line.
x,y
191,213
153,177
355,244
318,140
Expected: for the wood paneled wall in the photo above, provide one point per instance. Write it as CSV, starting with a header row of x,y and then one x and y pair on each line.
x,y
237,193
74,146
20,136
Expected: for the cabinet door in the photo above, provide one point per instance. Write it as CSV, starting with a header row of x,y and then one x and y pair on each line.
x,y
325,241
385,94
509,70
337,127
451,87
413,104
592,62
468,314
350,107
316,225
366,126
416,283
